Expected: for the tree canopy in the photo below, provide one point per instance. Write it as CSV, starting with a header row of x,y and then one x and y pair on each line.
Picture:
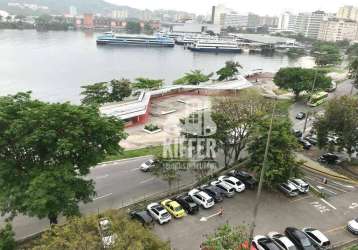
x,y
104,92
298,80
281,162
7,238
353,71
133,27
229,71
146,83
227,237
195,77
340,118
83,233
326,53
46,149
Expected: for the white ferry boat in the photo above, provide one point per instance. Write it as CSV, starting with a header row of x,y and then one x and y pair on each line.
x,y
190,39
216,46
135,40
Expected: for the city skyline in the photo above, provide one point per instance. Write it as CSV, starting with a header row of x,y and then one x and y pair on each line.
x,y
273,7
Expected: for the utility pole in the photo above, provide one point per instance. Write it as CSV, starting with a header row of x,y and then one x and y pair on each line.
x,y
263,170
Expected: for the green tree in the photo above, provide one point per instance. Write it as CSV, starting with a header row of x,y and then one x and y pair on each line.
x,y
352,50
7,238
281,162
235,117
300,79
353,71
148,29
227,237
96,94
229,71
133,27
340,118
120,90
296,52
146,83
46,150
326,53
195,77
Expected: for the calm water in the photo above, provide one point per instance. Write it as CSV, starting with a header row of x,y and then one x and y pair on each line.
x,y
55,64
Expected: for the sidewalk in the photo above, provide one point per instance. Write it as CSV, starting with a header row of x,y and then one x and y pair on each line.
x,y
316,167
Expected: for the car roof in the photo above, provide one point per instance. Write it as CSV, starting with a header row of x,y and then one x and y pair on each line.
x,y
286,241
299,181
144,215
318,234
290,185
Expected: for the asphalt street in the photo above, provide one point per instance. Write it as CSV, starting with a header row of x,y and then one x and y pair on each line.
x,y
117,183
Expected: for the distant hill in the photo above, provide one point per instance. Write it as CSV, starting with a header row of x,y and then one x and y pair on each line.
x,y
62,7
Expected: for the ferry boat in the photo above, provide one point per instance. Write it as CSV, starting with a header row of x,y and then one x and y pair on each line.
x,y
190,39
216,46
135,40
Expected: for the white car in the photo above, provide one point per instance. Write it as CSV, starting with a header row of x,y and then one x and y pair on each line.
x,y
201,198
108,238
353,226
317,237
233,182
281,241
147,165
225,188
261,242
301,185
159,213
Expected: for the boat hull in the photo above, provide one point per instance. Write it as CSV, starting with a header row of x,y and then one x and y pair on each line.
x,y
217,50
140,44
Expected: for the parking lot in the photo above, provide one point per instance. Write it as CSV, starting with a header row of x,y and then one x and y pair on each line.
x,y
330,215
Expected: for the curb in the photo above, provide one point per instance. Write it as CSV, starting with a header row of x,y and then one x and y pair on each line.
x,y
121,160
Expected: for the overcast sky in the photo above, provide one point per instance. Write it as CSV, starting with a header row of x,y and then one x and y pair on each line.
x,y
262,7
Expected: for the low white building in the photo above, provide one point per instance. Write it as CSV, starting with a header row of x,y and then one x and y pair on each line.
x,y
195,28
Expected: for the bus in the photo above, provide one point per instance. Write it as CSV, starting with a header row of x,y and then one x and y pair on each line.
x,y
317,99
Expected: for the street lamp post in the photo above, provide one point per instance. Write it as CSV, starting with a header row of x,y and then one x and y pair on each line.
x,y
262,174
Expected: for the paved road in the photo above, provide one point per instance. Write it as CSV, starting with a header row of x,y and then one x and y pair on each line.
x,y
343,88
275,214
116,183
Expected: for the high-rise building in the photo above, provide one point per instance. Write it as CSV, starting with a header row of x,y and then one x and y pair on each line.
x,y
335,29
73,11
217,12
348,12
120,14
253,21
287,22
308,24
234,20
269,21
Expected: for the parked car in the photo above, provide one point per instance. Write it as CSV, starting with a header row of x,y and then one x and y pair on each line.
x,y
299,238
159,213
288,189
301,115
233,182
281,241
297,133
329,158
173,208
312,139
353,226
264,243
332,88
188,204
213,191
249,181
107,236
225,188
141,216
333,139
201,198
317,237
301,185
147,165
305,144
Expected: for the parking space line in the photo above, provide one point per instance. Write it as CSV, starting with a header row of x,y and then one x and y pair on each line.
x,y
147,180
103,196
329,204
134,169
335,229
302,198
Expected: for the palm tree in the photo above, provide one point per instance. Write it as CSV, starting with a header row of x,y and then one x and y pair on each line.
x,y
194,77
231,69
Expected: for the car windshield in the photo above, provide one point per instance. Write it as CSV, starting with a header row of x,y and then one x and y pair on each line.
x,y
177,209
210,200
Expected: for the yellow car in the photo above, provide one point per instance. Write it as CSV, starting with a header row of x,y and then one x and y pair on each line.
x,y
173,208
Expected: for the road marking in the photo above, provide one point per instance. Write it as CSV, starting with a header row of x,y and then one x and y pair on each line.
x,y
329,204
321,208
135,169
335,229
147,180
203,219
320,187
353,206
302,198
101,177
103,196
342,185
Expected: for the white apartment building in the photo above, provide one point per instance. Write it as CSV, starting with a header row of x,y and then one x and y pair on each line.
x,y
308,24
286,22
348,12
217,12
234,20
120,14
333,30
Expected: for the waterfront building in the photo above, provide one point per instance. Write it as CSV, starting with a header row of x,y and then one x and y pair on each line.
x,y
73,11
286,22
191,27
308,24
217,12
253,21
234,20
335,29
120,14
348,12
88,21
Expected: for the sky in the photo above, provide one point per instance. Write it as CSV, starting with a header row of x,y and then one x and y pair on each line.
x,y
261,7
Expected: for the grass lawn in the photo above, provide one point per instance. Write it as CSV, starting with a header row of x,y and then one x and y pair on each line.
x,y
152,150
